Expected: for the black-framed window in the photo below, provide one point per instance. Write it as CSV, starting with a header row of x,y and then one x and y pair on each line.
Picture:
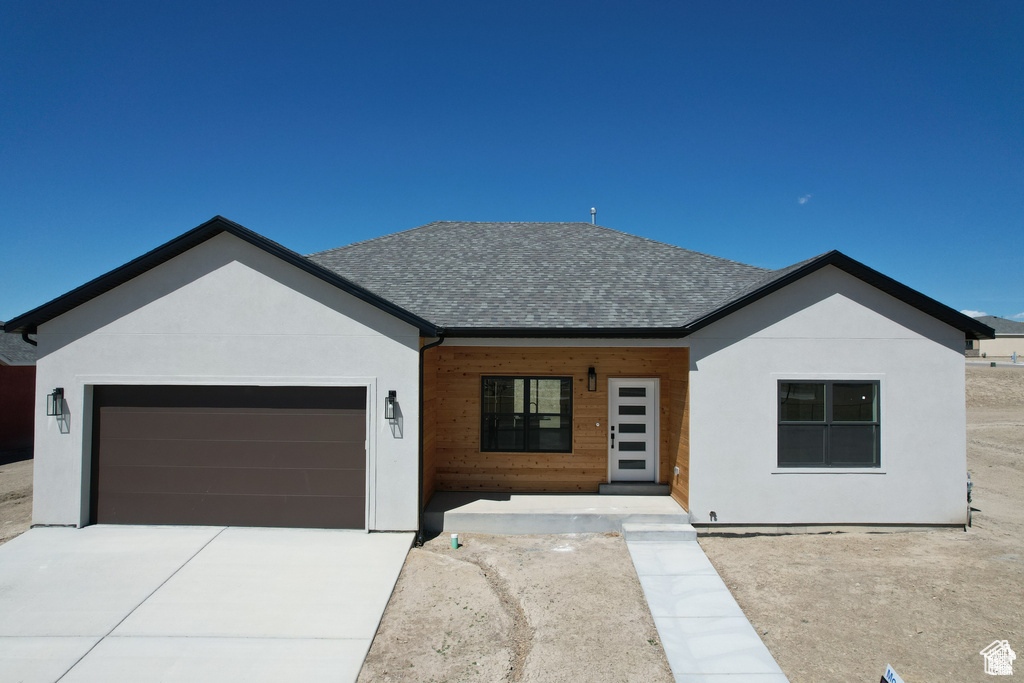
x,y
531,414
829,423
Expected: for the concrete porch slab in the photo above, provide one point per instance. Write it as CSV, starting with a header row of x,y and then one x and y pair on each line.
x,y
545,513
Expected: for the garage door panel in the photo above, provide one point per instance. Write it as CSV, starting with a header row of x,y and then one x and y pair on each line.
x,y
247,456
215,424
211,396
326,512
244,454
233,481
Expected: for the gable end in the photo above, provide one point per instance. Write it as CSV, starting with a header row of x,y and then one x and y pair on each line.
x,y
29,322
972,329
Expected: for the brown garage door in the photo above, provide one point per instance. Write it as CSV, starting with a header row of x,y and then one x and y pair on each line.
x,y
238,456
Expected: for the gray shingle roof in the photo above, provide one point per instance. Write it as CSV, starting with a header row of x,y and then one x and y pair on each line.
x,y
539,275
1002,326
523,279
15,351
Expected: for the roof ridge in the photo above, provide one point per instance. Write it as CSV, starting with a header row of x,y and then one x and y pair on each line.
x,y
427,225
584,223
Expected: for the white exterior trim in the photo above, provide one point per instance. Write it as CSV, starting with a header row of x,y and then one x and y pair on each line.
x,y
368,383
227,313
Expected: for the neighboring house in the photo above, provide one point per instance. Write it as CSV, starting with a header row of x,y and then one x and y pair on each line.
x,y
1009,338
223,379
17,392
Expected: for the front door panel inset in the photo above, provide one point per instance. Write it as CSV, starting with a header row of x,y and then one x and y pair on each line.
x,y
633,429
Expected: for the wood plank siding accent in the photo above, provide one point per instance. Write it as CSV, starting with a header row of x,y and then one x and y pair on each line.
x,y
452,395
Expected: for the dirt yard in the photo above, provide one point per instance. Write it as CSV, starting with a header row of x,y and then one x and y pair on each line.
x,y
838,607
518,608
15,493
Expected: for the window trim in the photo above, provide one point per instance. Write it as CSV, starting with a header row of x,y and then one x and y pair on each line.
x,y
827,422
526,422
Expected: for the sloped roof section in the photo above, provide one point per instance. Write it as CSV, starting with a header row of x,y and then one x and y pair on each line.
x,y
30,321
485,278
777,279
525,279
15,351
1002,326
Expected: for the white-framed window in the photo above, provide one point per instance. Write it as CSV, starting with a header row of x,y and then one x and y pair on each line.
x,y
829,423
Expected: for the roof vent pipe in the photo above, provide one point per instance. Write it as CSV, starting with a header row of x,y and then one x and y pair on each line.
x,y
593,216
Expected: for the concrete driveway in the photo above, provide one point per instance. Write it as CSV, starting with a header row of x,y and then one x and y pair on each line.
x,y
196,604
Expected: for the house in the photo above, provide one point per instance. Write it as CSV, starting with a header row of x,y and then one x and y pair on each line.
x,y
224,379
1009,338
17,392
999,657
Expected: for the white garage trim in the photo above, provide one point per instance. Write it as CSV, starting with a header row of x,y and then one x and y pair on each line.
x,y
86,382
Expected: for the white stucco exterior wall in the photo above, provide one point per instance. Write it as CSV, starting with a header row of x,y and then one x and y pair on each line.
x,y
226,313
828,325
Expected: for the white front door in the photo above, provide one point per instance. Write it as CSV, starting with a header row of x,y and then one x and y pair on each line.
x,y
633,429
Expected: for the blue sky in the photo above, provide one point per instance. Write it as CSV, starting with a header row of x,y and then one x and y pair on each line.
x,y
762,132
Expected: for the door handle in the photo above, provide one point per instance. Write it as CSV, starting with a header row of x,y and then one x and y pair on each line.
x,y
613,438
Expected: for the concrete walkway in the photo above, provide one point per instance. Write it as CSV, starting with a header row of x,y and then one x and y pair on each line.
x,y
192,604
706,636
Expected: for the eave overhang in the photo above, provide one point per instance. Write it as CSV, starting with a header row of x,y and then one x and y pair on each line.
x,y
30,322
971,328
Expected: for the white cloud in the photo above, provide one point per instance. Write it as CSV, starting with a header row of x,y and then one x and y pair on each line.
x,y
1019,316
976,314
803,200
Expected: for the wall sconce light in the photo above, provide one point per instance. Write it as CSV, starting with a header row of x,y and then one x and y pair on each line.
x,y
389,405
591,379
55,402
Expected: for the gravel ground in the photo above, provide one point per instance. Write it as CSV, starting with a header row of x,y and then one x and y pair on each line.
x,y
518,608
839,607
15,493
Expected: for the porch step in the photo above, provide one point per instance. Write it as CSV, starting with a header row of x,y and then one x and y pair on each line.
x,y
635,488
659,532
517,513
